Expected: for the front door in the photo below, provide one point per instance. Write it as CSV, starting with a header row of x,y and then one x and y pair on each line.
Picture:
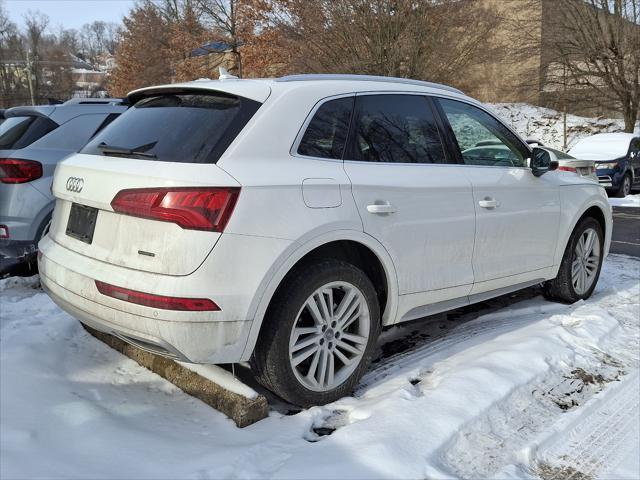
x,y
517,214
410,198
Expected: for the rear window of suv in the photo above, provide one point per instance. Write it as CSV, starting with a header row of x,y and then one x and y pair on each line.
x,y
20,132
189,127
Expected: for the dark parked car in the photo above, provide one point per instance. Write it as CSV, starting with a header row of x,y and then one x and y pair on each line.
x,y
617,157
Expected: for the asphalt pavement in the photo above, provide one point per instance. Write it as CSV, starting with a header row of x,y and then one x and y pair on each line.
x,y
626,231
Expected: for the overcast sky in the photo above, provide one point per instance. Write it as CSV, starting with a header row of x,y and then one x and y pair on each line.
x,y
69,13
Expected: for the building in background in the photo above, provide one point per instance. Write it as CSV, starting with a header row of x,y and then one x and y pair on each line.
x,y
527,66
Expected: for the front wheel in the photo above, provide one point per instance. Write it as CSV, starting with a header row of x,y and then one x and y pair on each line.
x,y
625,187
581,264
319,334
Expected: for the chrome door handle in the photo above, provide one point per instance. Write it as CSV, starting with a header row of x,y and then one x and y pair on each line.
x,y
380,208
489,203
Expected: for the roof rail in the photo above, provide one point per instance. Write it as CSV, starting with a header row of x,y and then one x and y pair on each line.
x,y
95,101
364,78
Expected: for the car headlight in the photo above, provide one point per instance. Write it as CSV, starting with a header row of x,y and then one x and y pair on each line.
x,y
608,166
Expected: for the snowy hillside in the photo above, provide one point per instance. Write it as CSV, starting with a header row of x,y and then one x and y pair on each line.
x,y
546,125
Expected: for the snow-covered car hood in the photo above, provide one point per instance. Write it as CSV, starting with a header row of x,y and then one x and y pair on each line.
x,y
598,157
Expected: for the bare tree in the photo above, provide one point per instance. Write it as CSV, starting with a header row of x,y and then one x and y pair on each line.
x,y
35,25
13,84
599,52
428,39
229,21
174,11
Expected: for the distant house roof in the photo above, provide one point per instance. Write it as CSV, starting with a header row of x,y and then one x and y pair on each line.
x,y
213,47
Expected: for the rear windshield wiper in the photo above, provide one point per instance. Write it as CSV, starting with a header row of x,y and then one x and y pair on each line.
x,y
140,151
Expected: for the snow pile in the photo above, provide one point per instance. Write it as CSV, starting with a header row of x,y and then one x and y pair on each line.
x,y
628,201
518,387
546,125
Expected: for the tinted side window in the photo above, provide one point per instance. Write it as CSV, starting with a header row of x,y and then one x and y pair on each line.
x,y
482,139
327,132
73,134
395,128
190,127
20,132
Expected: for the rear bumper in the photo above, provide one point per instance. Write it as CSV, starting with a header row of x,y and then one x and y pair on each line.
x,y
196,337
15,252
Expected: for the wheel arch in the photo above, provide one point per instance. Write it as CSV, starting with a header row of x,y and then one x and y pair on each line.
x,y
596,213
597,208
353,246
40,217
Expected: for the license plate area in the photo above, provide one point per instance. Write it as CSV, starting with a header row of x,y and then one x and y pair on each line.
x,y
82,222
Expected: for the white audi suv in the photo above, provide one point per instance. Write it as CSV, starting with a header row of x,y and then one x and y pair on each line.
x,y
286,221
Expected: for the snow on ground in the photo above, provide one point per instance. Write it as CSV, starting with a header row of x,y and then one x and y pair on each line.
x,y
628,201
517,387
546,125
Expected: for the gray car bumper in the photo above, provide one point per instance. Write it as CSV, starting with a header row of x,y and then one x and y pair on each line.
x,y
15,252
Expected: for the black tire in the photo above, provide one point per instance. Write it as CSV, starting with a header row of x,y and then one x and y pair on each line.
x,y
625,187
561,288
270,361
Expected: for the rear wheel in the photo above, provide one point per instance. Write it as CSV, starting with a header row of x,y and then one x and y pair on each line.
x,y
319,334
581,264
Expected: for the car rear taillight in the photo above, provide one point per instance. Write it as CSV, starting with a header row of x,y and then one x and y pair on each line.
x,y
157,301
193,208
4,231
13,170
567,169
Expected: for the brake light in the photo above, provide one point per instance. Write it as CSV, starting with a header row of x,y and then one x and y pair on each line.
x,y
157,301
13,170
193,208
567,169
4,231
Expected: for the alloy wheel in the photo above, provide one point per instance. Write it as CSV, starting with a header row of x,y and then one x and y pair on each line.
x,y
586,260
329,336
626,186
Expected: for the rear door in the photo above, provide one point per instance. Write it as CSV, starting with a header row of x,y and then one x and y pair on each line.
x,y
517,214
146,193
409,196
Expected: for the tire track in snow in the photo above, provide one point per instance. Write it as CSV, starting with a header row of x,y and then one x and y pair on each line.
x,y
501,322
599,441
492,441
489,442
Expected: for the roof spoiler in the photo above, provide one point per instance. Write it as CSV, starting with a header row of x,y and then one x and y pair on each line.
x,y
38,111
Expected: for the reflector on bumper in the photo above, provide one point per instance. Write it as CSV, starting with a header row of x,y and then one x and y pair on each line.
x,y
156,301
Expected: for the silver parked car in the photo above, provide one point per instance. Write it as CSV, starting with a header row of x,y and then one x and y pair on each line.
x,y
32,142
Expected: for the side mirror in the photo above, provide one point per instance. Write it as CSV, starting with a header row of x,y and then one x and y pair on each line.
x,y
543,161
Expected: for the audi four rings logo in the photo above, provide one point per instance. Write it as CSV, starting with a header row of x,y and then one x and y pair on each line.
x,y
75,184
